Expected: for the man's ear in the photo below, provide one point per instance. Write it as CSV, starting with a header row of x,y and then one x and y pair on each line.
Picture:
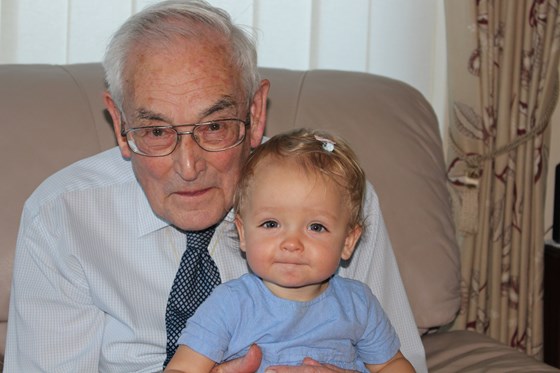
x,y
117,124
350,242
239,225
258,113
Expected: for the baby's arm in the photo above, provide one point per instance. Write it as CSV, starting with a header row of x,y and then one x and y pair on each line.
x,y
397,363
187,360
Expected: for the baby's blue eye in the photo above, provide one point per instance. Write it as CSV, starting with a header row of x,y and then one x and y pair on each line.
x,y
269,224
316,227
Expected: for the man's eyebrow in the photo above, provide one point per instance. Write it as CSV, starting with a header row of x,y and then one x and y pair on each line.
x,y
150,115
225,102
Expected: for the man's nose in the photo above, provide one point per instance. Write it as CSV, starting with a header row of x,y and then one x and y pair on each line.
x,y
189,157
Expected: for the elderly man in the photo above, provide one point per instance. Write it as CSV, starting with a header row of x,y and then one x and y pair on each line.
x,y
103,280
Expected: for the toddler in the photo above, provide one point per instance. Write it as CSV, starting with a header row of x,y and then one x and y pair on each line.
x,y
298,213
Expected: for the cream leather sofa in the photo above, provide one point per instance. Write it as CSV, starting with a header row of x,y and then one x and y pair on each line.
x,y
52,116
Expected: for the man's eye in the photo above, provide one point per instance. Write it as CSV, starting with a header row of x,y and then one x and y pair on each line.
x,y
156,132
152,132
316,227
269,224
215,126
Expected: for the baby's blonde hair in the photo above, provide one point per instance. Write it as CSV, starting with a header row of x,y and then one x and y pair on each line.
x,y
309,150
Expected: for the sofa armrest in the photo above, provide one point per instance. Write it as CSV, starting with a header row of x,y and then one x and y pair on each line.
x,y
466,351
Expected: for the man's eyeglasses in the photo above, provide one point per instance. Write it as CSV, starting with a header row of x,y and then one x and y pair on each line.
x,y
213,136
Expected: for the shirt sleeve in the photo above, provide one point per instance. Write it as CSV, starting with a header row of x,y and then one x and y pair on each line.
x,y
374,263
379,342
53,325
209,330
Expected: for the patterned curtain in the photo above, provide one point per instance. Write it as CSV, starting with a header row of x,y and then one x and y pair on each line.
x,y
503,87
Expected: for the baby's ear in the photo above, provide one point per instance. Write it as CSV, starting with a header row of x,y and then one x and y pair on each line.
x,y
350,242
240,231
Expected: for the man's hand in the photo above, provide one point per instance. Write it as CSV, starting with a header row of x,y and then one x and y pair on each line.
x,y
246,364
309,366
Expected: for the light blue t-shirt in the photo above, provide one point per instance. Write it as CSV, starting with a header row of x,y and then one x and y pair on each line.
x,y
344,326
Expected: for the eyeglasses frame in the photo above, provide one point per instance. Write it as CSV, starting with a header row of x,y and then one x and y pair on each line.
x,y
125,132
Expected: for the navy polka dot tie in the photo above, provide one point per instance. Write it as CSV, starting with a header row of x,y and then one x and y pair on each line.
x,y
196,278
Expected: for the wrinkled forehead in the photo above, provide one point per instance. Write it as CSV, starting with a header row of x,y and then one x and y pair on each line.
x,y
182,69
207,49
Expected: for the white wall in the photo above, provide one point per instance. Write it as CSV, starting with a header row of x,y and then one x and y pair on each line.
x,y
403,39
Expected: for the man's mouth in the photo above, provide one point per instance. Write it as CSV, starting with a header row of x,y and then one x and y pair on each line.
x,y
193,193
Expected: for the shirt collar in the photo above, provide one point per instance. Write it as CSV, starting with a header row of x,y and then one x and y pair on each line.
x,y
230,216
147,220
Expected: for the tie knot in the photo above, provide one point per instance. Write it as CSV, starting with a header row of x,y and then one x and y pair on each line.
x,y
200,239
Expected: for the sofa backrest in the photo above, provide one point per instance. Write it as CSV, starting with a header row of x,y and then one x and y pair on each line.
x,y
53,115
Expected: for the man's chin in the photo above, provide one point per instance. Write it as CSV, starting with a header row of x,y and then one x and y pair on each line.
x,y
198,220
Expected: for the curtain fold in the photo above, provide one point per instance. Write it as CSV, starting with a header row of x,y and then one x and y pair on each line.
x,y
503,87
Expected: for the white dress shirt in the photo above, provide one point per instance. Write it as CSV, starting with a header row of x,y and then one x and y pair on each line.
x,y
94,267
